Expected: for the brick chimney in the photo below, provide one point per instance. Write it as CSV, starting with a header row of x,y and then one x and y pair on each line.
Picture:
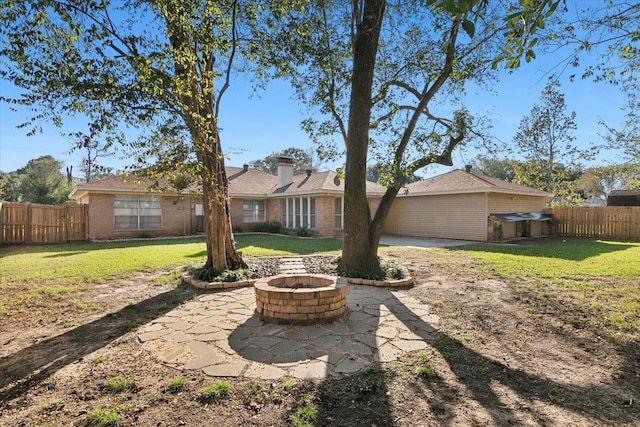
x,y
285,171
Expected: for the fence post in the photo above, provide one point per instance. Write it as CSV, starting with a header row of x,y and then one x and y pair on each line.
x,y
2,210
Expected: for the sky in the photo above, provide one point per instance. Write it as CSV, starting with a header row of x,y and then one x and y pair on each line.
x,y
255,125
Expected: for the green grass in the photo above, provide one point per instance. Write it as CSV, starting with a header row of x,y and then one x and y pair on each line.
x,y
117,385
34,277
561,258
176,385
304,416
102,418
597,277
215,391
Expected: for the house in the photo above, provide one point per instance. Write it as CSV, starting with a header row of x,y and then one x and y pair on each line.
x,y
468,206
127,207
455,205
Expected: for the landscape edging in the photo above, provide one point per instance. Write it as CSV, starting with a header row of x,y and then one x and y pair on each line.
x,y
199,284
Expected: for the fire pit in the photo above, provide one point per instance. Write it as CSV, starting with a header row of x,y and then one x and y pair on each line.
x,y
301,299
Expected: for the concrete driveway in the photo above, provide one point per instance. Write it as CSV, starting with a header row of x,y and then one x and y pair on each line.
x,y
422,242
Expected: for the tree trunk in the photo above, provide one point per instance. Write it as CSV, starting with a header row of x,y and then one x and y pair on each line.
x,y
221,251
359,248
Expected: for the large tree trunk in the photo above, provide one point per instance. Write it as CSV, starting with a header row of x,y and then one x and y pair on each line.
x,y
221,251
359,248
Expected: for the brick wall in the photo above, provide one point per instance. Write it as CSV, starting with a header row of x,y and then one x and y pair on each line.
x,y
177,219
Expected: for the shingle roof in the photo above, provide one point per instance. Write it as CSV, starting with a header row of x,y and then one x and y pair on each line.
x,y
244,183
322,182
459,181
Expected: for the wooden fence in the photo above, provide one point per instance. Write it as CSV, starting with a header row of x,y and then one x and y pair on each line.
x,y
613,222
29,223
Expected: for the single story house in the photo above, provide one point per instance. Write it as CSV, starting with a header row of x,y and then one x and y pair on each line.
x,y
127,207
468,206
455,205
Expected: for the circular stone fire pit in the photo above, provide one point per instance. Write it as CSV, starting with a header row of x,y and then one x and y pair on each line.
x,y
301,299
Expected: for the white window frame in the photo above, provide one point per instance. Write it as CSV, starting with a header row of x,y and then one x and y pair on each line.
x,y
338,216
139,207
252,210
298,212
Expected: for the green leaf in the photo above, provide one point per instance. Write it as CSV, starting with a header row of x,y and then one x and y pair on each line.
x,y
469,27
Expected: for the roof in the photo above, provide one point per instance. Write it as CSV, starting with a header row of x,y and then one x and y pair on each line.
x,y
242,183
245,182
618,193
458,181
322,182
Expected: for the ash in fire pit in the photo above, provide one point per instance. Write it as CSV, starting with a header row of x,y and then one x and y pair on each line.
x,y
301,299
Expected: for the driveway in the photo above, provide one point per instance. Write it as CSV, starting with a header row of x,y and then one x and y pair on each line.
x,y
422,242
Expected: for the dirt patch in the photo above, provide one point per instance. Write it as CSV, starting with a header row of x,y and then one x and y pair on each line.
x,y
501,357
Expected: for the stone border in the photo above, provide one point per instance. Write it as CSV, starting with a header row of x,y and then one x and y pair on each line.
x,y
398,283
198,284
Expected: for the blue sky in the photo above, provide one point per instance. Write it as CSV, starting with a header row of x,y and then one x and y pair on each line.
x,y
255,125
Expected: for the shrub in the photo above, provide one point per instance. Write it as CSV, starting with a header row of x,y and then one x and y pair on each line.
x,y
207,274
267,227
393,269
302,231
216,391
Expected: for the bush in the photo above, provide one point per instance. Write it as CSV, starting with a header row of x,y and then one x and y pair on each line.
x,y
208,275
393,269
302,231
267,227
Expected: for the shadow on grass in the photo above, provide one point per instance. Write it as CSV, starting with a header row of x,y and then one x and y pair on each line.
x,y
570,249
485,379
27,368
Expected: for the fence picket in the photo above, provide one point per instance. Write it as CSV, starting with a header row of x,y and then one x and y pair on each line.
x,y
31,223
612,222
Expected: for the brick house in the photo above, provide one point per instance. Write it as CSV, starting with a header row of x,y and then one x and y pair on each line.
x,y
127,207
455,205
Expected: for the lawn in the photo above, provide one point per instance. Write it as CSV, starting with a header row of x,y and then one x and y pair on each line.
x,y
33,273
599,278
544,331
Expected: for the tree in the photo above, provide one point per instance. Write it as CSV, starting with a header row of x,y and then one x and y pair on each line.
x,y
490,166
41,181
379,174
599,181
545,140
382,72
608,35
302,160
92,151
157,66
10,187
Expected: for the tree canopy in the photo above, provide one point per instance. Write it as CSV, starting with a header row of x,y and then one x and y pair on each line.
x,y
158,66
302,160
388,81
40,181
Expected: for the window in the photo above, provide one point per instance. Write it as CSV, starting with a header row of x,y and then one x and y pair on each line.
x,y
137,212
299,212
338,213
253,211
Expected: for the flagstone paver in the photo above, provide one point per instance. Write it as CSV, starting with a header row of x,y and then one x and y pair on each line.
x,y
218,334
